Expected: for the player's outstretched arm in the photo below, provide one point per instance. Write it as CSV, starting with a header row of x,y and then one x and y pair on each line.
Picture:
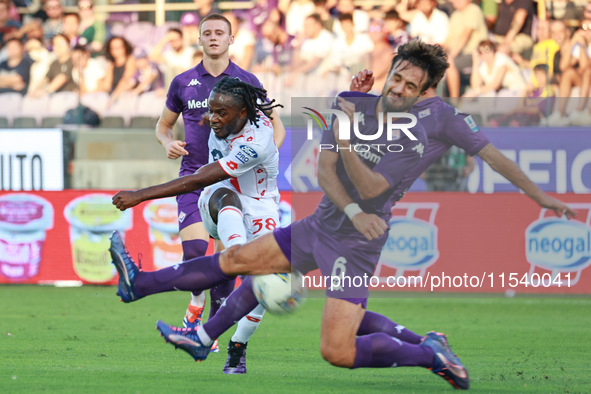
x,y
174,148
278,128
205,176
510,170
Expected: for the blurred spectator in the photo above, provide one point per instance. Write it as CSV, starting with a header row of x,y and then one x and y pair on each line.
x,y
176,58
54,23
206,7
88,72
561,35
260,13
577,73
450,172
14,72
120,67
320,8
490,10
190,28
426,21
295,16
8,26
543,51
308,57
395,28
513,28
381,56
71,27
41,58
467,30
350,52
360,17
32,29
274,52
147,77
562,9
242,49
92,31
494,73
59,77
536,102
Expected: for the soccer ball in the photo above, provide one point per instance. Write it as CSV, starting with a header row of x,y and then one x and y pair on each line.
x,y
279,293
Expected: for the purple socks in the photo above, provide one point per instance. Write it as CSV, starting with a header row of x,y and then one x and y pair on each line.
x,y
374,322
219,294
380,350
192,275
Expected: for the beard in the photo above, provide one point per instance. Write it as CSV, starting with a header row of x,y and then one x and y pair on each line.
x,y
397,104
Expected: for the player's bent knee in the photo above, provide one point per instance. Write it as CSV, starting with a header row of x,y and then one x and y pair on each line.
x,y
338,356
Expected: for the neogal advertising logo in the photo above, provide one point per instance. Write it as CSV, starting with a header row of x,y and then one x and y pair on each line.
x,y
559,246
395,124
412,240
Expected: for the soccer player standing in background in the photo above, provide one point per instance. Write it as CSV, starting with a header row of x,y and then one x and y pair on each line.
x,y
188,94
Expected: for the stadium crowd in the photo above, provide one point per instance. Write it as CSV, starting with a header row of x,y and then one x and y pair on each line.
x,y
298,48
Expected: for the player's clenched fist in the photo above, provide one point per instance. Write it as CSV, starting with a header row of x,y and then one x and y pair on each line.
x,y
370,225
126,199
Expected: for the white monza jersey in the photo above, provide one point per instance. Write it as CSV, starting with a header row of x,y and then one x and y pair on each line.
x,y
252,160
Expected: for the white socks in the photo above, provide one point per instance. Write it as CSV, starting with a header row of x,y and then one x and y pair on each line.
x,y
231,226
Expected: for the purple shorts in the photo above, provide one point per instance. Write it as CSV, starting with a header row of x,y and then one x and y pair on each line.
x,y
188,209
346,262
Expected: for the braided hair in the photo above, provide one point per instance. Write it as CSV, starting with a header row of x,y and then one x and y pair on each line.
x,y
253,98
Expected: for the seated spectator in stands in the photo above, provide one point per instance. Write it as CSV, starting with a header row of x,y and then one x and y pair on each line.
x,y
562,10
274,51
513,28
242,49
42,59
308,57
494,73
59,78
92,31
71,26
88,72
120,67
54,23
395,28
190,28
577,73
360,17
172,54
426,21
147,77
260,13
8,26
350,52
561,35
380,58
295,16
543,51
467,29
321,8
536,103
14,72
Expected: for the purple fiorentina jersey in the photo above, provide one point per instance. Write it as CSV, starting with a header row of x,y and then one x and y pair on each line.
x,y
445,126
392,165
188,94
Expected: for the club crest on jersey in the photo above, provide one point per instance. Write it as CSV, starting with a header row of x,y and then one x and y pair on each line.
x,y
248,150
424,113
194,82
182,217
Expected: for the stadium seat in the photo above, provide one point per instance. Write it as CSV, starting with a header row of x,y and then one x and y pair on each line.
x,y
124,107
150,104
24,122
112,122
3,123
96,101
61,102
10,104
34,107
50,122
143,122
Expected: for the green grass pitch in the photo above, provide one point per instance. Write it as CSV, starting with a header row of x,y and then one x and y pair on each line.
x,y
83,340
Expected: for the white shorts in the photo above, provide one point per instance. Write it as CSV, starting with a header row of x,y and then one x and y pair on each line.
x,y
260,216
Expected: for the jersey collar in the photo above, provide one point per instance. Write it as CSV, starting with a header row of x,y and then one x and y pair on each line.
x,y
228,71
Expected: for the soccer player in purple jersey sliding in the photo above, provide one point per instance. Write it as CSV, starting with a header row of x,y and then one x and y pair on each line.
x,y
344,236
188,94
446,126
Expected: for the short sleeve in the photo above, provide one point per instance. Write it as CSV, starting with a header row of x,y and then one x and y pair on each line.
x,y
173,102
461,130
241,159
